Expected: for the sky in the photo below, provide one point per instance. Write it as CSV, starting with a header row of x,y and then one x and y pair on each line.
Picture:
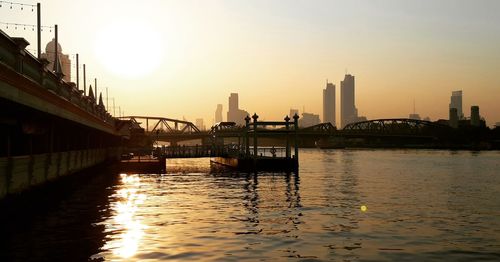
x,y
179,59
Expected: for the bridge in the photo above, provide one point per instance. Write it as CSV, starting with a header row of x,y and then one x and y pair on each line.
x,y
49,128
171,130
166,129
395,127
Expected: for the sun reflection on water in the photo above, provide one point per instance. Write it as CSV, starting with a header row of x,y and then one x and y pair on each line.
x,y
125,220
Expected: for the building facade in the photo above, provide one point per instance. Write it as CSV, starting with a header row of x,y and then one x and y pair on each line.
x,y
329,104
475,118
348,111
456,102
218,114
309,119
234,114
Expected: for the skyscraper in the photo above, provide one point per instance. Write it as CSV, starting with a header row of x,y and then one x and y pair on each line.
x,y
348,111
475,118
234,114
456,102
453,119
218,113
329,104
199,123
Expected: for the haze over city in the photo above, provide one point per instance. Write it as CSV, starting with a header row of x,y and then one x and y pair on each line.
x,y
169,55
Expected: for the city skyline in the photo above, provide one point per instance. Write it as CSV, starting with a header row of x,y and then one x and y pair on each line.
x,y
420,51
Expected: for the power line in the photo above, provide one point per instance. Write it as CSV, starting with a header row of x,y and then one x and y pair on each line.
x,y
20,5
24,26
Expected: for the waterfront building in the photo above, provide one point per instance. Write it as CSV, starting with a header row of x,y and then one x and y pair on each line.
x,y
475,119
329,104
234,114
64,60
218,114
348,110
309,119
456,102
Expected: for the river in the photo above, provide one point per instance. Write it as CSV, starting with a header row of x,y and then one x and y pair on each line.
x,y
343,205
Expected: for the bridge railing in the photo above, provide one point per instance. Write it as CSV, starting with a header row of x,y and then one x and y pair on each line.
x,y
19,61
198,151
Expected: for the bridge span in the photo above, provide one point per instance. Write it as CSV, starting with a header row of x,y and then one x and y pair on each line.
x,y
48,127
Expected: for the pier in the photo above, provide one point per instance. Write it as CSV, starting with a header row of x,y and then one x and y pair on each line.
x,y
248,156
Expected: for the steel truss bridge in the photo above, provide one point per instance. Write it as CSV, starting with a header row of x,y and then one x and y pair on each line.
x,y
166,129
397,127
174,130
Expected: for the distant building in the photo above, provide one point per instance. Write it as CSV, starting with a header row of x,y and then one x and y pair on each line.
x,y
475,119
64,60
234,114
361,118
293,112
329,104
309,119
497,124
414,116
453,118
199,123
348,111
427,118
218,114
456,102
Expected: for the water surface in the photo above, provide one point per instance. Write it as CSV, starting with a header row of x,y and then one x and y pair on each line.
x,y
420,205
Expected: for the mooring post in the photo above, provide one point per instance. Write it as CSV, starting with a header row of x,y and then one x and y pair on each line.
x,y
255,117
296,126
247,142
287,125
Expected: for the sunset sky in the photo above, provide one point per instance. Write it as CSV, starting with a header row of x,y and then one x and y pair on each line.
x,y
181,58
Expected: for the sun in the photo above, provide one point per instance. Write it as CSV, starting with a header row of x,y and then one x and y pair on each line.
x,y
129,49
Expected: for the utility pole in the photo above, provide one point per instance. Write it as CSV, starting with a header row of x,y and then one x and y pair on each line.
x,y
56,57
39,30
77,74
84,82
107,108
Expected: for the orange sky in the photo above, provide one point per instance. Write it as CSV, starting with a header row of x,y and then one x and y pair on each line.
x,y
180,58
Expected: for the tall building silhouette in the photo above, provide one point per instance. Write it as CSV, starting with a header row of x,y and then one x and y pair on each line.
x,y
234,114
348,111
309,119
456,102
453,118
199,123
475,118
329,104
64,60
218,114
